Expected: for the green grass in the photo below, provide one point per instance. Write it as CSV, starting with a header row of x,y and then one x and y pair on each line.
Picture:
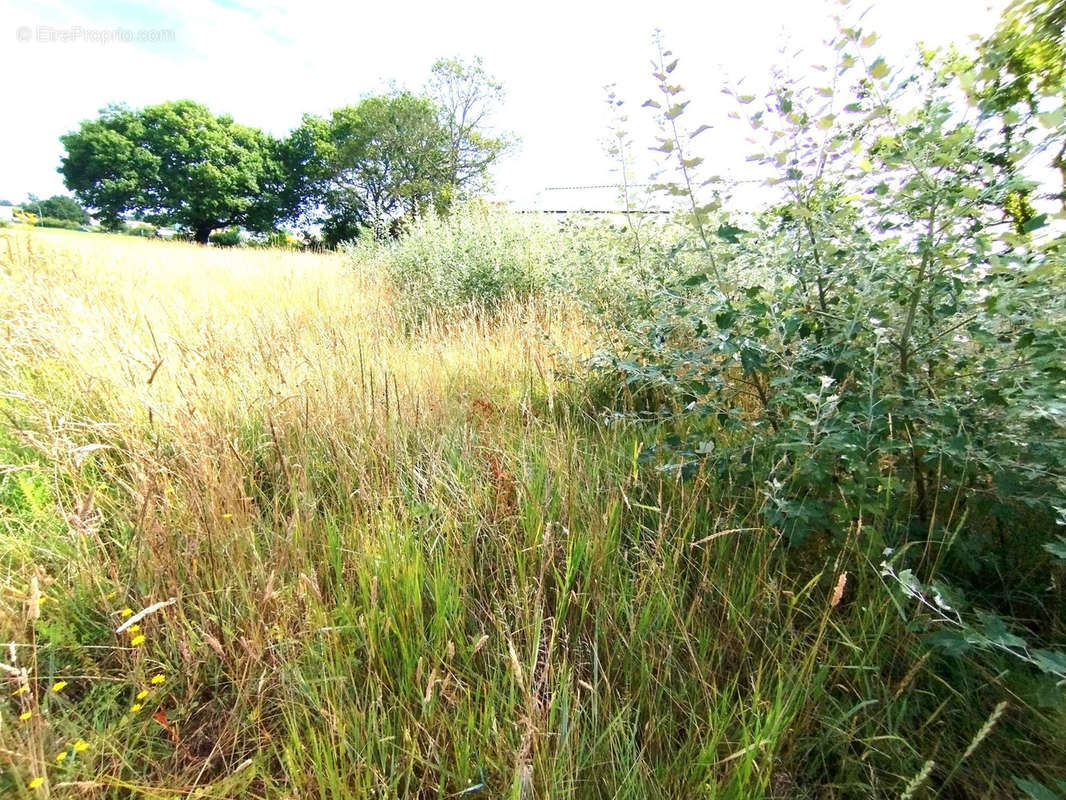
x,y
470,584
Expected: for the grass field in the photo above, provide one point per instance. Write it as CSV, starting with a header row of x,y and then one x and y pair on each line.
x,y
410,562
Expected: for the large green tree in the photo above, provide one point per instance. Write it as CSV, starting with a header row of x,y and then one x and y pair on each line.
x,y
177,163
383,159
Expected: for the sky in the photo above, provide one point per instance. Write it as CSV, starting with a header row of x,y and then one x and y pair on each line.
x,y
268,63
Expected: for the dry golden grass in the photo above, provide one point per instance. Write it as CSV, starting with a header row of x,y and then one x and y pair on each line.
x,y
182,330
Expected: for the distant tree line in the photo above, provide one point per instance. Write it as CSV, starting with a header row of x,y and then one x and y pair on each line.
x,y
59,207
374,165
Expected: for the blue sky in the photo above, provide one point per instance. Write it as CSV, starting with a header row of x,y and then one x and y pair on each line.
x,y
268,63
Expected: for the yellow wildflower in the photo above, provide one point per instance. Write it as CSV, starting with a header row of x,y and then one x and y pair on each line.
x,y
135,708
61,757
35,783
137,640
143,693
25,715
81,746
59,686
158,679
21,690
132,629
126,612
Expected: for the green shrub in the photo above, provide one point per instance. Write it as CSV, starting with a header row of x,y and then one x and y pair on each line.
x,y
278,239
138,229
52,222
479,255
876,358
482,254
231,237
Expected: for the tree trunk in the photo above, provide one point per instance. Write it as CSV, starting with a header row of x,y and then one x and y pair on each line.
x,y
203,232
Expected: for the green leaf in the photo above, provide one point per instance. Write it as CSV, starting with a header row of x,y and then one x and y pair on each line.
x,y
1053,119
994,628
1034,223
826,122
676,110
879,69
729,233
1057,548
949,641
1035,790
1050,662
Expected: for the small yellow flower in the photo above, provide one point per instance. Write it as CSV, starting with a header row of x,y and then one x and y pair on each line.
x,y
112,595
227,516
42,600
61,757
25,715
135,708
132,629
21,690
143,693
81,746
35,783
137,640
158,679
59,686
126,612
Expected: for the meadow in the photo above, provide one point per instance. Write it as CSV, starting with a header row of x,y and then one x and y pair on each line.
x,y
265,535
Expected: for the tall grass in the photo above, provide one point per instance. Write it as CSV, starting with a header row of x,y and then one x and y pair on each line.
x,y
405,562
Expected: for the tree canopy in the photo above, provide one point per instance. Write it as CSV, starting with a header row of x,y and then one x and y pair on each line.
x,y
381,159
374,164
466,97
395,156
176,163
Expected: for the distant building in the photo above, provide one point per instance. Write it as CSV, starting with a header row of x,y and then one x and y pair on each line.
x,y
599,200
7,212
